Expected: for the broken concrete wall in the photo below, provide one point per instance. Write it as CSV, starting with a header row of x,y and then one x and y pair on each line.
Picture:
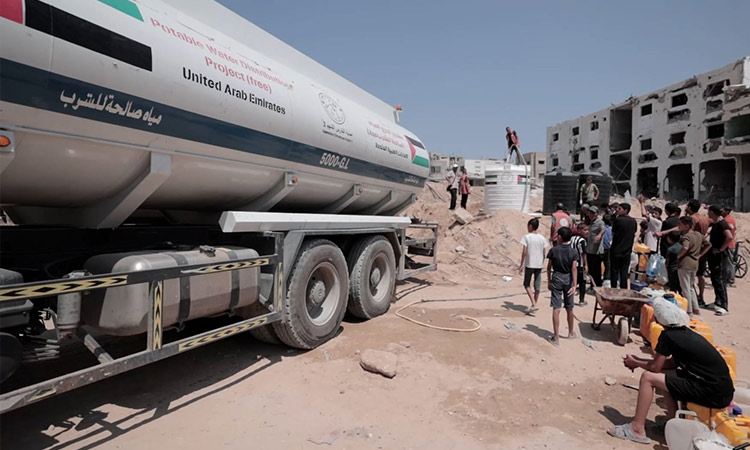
x,y
681,124
737,137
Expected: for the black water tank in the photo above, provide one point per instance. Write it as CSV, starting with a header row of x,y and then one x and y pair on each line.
x,y
602,181
559,187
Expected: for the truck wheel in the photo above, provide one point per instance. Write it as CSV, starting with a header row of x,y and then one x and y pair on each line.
x,y
265,334
372,277
316,296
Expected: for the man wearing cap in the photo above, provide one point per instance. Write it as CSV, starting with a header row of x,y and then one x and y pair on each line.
x,y
595,245
701,376
452,178
589,192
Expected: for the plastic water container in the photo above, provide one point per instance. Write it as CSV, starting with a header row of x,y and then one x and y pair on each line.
x,y
679,433
647,316
735,433
703,329
682,302
706,414
506,187
729,356
654,332
643,252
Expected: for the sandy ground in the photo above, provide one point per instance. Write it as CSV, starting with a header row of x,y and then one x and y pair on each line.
x,y
502,387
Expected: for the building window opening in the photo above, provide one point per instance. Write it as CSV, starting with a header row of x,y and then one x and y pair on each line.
x,y
677,138
575,131
648,183
620,129
714,89
555,162
715,131
577,157
555,137
594,154
646,144
594,125
679,100
679,183
646,110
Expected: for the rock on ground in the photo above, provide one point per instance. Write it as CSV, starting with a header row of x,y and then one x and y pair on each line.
x,y
377,361
462,216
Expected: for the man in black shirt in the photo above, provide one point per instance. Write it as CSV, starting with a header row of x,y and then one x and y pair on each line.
x,y
720,238
673,218
624,228
701,377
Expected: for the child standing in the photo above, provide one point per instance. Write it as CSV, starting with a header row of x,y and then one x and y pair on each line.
x,y
694,246
562,275
532,261
578,243
673,250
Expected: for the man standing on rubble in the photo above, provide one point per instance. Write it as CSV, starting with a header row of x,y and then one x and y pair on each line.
x,y
452,178
512,137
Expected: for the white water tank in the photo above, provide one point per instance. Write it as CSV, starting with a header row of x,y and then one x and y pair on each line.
x,y
506,187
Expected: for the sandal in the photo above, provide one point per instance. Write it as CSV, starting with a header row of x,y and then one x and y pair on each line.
x,y
626,433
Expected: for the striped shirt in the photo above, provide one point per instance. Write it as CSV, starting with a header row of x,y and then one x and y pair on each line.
x,y
579,245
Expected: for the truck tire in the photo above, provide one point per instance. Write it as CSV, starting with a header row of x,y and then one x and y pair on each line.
x,y
372,277
315,302
265,334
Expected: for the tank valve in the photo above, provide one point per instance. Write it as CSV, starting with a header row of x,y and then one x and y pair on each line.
x,y
69,309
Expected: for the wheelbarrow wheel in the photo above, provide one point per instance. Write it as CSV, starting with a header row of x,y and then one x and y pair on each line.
x,y
623,331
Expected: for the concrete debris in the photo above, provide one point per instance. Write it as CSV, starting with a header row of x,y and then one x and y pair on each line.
x,y
376,361
486,254
609,381
507,278
462,216
588,343
460,249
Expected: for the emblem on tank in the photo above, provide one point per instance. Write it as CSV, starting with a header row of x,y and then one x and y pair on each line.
x,y
332,108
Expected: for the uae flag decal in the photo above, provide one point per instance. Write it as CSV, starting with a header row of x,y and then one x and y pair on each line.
x,y
419,155
55,22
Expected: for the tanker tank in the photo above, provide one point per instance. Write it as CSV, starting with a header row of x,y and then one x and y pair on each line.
x,y
122,110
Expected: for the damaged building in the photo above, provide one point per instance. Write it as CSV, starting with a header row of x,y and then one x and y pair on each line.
x,y
737,138
679,142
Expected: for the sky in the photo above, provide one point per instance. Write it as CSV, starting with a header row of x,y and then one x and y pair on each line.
x,y
463,71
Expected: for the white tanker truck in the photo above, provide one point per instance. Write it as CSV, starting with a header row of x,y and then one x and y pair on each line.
x,y
166,161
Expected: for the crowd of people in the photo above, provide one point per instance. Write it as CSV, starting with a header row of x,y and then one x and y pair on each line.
x,y
598,247
685,367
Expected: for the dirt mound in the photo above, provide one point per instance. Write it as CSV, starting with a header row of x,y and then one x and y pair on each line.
x,y
487,247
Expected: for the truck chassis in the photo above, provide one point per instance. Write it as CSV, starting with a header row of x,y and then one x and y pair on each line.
x,y
286,244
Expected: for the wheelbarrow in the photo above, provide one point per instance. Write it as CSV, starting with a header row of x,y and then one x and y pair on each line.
x,y
614,302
